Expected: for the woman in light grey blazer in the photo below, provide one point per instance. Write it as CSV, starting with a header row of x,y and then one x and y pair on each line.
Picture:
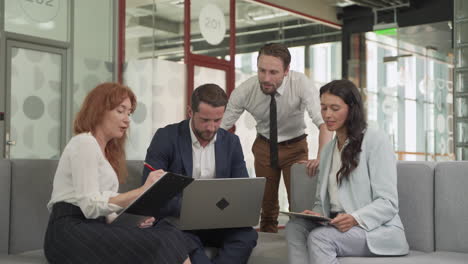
x,y
357,188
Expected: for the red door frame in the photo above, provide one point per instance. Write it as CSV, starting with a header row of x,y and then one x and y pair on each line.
x,y
121,40
193,60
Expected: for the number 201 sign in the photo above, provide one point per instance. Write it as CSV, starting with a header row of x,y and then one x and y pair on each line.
x,y
212,24
41,10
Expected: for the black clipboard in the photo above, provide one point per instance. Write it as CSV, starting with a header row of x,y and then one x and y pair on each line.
x,y
152,199
308,216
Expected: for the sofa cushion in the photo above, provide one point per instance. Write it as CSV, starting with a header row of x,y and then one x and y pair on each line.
x,y
414,257
271,249
416,203
302,188
135,170
31,187
445,257
451,207
416,199
5,177
411,258
19,259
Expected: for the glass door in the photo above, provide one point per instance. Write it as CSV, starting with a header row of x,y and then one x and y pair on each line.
x,y
210,43
35,92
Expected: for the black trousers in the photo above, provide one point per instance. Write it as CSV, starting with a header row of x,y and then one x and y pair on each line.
x,y
235,245
71,238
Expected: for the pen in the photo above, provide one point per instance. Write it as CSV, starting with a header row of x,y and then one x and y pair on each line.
x,y
149,166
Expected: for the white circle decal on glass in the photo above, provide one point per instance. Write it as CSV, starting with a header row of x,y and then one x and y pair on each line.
x,y
212,24
41,10
388,106
441,123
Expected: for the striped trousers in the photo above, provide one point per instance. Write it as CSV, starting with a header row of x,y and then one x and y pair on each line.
x,y
71,238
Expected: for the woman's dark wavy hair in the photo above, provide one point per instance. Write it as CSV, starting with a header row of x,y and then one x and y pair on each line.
x,y
355,124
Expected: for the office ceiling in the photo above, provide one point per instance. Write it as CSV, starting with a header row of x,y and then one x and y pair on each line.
x,y
158,27
369,3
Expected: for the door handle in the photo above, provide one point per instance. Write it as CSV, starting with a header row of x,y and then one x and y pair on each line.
x,y
11,142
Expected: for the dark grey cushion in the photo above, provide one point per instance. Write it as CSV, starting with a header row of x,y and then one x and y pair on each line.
x,y
416,202
135,170
451,206
31,187
5,177
302,189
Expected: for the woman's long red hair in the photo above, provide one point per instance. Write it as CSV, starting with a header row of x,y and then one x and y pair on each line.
x,y
103,98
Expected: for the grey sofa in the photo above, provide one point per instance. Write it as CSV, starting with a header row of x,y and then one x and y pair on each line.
x,y
25,188
432,207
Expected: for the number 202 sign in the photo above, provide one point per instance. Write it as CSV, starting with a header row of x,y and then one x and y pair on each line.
x,y
41,10
212,24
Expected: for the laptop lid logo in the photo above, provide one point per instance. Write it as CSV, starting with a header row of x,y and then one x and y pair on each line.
x,y
222,204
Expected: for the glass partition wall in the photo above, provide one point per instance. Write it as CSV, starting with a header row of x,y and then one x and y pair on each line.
x,y
156,66
406,77
461,79
51,59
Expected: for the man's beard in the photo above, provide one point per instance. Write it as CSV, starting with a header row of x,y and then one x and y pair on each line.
x,y
203,135
270,90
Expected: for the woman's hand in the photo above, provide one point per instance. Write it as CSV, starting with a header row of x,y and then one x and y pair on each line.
x,y
148,222
153,177
311,165
124,199
344,222
311,213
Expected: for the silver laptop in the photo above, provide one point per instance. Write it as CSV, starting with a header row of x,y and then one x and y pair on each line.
x,y
221,203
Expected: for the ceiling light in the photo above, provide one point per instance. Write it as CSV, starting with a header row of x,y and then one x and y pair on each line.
x,y
381,26
344,3
269,16
178,3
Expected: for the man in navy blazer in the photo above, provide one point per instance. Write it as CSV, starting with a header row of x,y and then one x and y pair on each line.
x,y
198,148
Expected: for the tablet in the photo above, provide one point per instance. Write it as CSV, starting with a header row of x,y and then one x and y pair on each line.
x,y
308,216
152,199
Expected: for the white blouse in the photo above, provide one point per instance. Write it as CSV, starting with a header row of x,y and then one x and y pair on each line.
x,y
335,205
85,178
333,188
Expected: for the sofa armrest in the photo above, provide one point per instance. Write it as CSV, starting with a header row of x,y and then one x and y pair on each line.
x,y
5,184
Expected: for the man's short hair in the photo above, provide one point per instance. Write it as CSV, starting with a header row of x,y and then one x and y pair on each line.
x,y
277,50
209,93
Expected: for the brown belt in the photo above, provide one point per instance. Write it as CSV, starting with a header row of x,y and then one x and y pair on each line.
x,y
286,142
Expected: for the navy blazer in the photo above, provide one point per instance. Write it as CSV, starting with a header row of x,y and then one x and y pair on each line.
x,y
171,150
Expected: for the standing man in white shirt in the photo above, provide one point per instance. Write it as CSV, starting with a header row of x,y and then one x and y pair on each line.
x,y
277,98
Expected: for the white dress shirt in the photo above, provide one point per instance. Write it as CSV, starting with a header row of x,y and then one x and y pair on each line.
x,y
85,178
295,95
203,158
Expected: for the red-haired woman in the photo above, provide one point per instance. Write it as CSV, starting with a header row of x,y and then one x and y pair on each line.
x,y
85,192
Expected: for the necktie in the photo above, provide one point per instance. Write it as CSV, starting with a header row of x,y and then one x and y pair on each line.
x,y
273,134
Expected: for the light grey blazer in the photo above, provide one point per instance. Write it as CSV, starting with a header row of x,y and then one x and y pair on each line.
x,y
370,192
